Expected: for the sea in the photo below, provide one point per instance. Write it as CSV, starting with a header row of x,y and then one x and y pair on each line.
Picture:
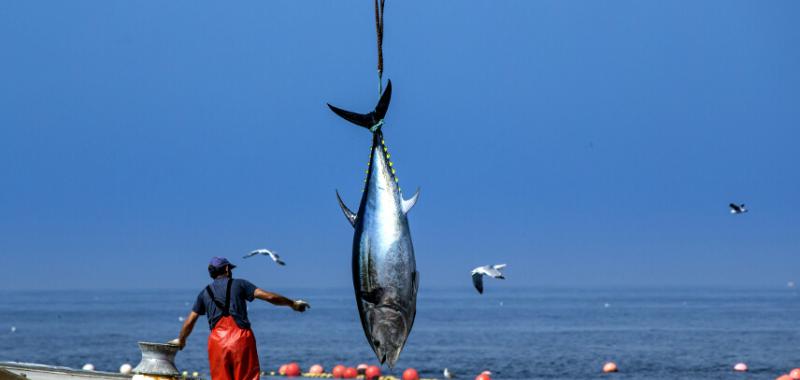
x,y
516,333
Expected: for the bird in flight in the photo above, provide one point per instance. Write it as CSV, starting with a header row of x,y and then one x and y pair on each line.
x,y
737,209
272,255
486,270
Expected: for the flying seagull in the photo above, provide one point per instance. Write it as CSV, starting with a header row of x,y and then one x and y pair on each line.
x,y
737,209
272,255
448,374
486,270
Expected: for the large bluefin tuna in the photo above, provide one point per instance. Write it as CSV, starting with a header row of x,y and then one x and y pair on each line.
x,y
385,276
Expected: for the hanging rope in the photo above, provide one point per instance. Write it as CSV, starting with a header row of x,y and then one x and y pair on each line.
x,y
379,33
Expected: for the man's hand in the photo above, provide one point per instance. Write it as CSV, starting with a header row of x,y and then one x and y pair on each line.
x,y
277,299
300,306
178,342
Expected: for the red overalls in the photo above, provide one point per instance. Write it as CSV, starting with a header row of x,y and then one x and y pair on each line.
x,y
232,351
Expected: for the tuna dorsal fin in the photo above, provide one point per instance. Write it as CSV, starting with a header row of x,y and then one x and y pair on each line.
x,y
407,204
351,217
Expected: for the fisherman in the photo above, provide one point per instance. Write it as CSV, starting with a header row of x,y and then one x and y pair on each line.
x,y
232,351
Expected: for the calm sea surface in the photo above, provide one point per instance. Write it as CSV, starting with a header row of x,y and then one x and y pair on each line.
x,y
523,333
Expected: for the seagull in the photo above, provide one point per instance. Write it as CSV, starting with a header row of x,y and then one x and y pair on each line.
x,y
737,209
448,374
272,255
486,270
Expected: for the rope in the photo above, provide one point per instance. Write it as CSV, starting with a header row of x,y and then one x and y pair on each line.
x,y
379,34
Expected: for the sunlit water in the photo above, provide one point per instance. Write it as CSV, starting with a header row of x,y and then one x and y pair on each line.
x,y
523,333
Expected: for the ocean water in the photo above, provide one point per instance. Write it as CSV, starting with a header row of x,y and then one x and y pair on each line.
x,y
517,333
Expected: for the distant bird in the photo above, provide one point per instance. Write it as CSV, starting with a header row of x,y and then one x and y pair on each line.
x,y
486,270
737,209
272,255
448,374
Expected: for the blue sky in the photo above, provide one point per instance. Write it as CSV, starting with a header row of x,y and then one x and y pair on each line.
x,y
584,143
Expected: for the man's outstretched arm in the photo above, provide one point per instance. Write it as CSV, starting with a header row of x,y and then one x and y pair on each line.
x,y
188,325
279,300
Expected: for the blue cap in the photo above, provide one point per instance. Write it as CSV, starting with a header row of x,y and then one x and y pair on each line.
x,y
219,262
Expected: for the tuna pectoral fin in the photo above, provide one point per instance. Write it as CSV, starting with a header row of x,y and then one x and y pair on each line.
x,y
347,213
408,204
373,120
373,296
416,289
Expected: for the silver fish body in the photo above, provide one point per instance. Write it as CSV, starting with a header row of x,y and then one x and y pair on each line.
x,y
385,277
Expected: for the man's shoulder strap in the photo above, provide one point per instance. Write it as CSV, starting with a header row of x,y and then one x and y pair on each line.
x,y
228,296
224,308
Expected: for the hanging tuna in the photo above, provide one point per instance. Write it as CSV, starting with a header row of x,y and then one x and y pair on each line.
x,y
385,278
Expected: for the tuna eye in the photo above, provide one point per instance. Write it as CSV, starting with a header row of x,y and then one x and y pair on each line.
x,y
377,343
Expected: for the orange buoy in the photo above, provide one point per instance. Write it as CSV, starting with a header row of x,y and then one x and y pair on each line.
x,y
292,369
373,372
316,369
483,376
795,374
784,377
282,370
610,367
740,367
350,373
410,374
338,371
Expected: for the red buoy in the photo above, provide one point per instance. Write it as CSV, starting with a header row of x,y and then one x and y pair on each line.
x,y
483,376
316,369
282,370
410,374
610,367
373,372
292,370
338,371
784,377
795,374
350,373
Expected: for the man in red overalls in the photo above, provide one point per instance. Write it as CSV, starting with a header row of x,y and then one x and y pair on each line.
x,y
232,353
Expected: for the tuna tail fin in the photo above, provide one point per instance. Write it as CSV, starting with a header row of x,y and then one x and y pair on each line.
x,y
373,120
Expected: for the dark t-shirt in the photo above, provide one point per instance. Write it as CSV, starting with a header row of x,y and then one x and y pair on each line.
x,y
241,291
